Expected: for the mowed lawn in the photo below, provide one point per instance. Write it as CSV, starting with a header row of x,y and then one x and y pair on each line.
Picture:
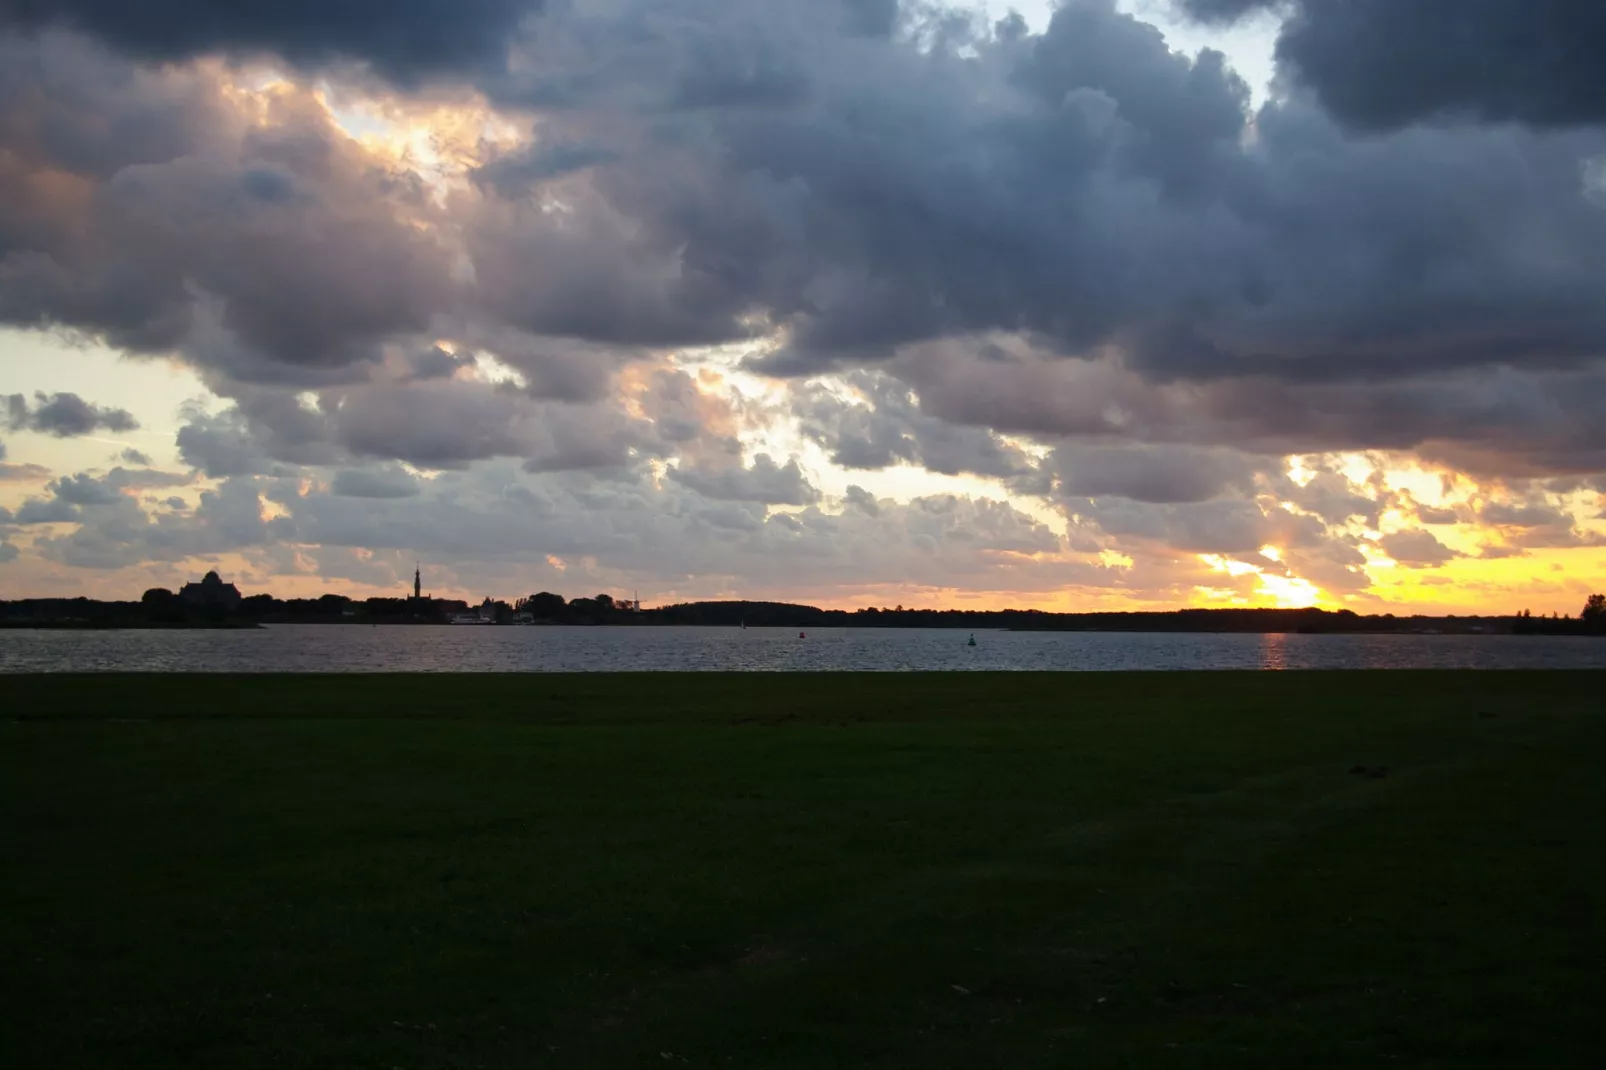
x,y
960,870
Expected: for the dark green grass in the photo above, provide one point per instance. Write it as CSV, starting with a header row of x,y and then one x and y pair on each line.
x,y
804,871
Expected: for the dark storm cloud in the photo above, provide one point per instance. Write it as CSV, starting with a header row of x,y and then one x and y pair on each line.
x,y
63,415
146,206
404,39
1387,63
1086,186
861,188
595,275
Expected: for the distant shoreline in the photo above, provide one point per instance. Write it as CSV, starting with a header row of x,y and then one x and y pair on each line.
x,y
260,610
1207,629
128,626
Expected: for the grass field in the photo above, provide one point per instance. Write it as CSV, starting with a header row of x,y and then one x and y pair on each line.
x,y
819,871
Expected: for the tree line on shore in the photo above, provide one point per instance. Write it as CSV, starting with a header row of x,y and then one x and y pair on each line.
x,y
162,608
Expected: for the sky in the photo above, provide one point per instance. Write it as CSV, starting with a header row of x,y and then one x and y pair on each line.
x,y
1075,306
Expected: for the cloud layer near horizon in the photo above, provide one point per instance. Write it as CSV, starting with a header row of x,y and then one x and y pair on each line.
x,y
654,290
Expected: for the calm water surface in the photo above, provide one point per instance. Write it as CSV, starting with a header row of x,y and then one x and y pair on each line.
x,y
350,648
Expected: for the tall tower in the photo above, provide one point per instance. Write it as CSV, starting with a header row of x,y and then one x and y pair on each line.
x,y
418,583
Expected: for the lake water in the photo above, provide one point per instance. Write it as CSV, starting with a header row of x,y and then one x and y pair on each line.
x,y
349,648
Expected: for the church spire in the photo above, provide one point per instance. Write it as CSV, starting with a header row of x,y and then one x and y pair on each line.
x,y
418,582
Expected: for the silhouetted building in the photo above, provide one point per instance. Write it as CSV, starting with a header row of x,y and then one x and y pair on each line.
x,y
418,583
211,592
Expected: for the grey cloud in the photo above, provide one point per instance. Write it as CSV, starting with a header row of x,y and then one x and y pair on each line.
x,y
890,427
1156,474
65,415
388,482
123,533
90,113
554,369
220,446
146,478
1386,63
449,423
1535,523
433,423
1506,421
1335,565
622,530
515,173
686,418
47,511
133,456
1417,549
734,516
1331,496
84,489
862,500
1429,514
595,275
1531,515
670,534
1214,527
309,281
403,39
8,552
763,481
1227,526
437,363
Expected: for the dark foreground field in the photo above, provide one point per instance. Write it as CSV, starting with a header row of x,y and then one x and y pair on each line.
x,y
820,871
